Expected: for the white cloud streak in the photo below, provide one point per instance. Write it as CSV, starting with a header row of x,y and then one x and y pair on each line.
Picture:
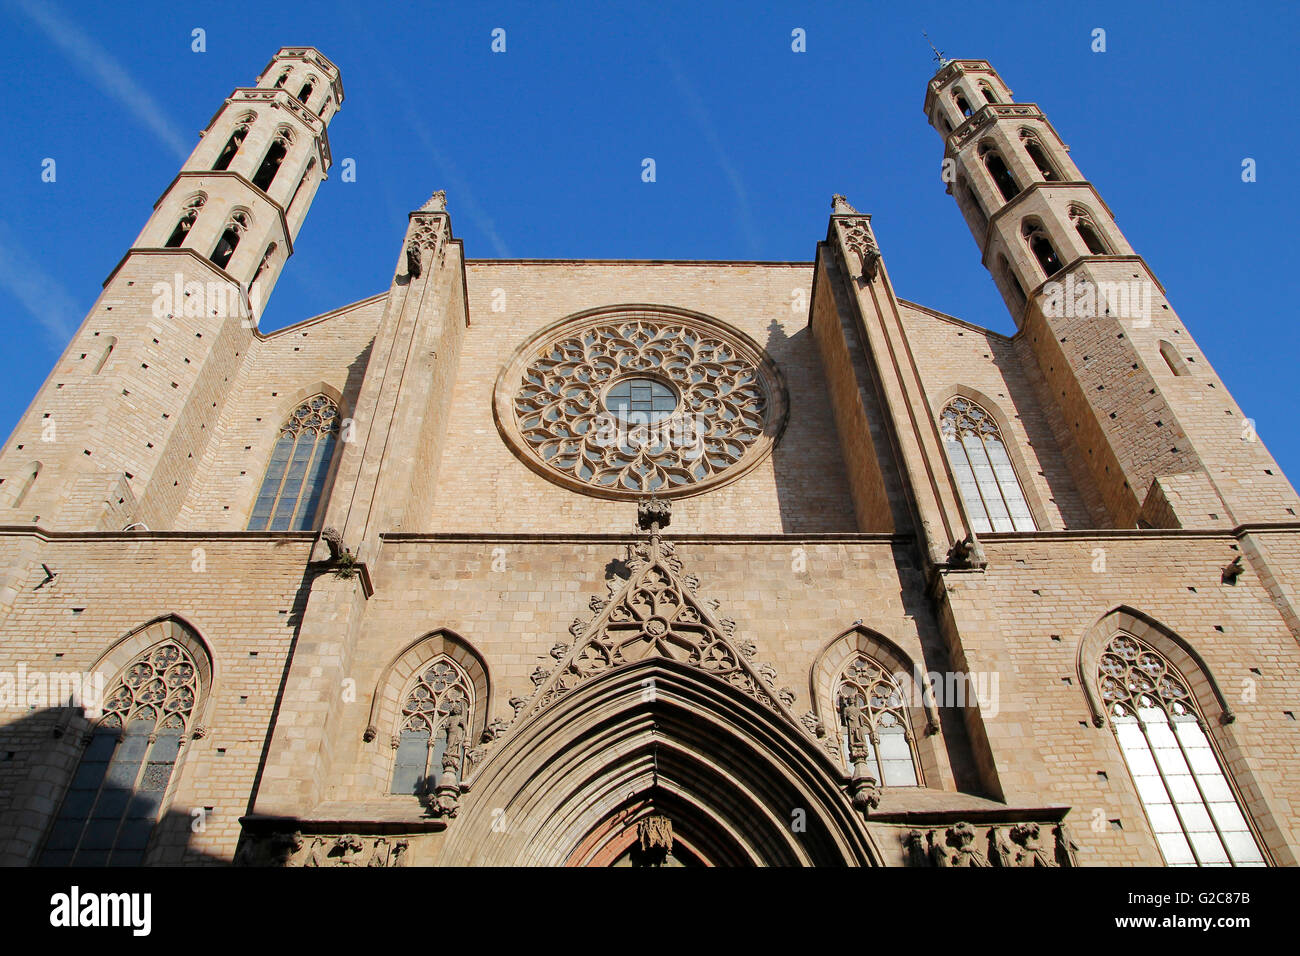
x,y
108,74
700,114
37,291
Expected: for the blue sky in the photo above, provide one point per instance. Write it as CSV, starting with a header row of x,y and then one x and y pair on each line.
x,y
540,147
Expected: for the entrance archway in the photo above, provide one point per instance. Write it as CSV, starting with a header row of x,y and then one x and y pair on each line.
x,y
657,738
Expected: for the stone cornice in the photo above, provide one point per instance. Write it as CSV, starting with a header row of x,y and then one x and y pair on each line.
x,y
945,317
322,317
308,537
243,180
220,273
315,56
992,112
1070,266
640,262
281,99
1029,190
853,537
948,72
45,534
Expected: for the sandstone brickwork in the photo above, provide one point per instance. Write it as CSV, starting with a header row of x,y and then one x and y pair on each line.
x,y
613,672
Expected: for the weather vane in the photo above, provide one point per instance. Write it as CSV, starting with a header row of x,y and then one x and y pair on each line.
x,y
938,55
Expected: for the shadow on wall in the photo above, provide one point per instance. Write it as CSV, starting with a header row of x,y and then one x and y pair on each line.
x,y
52,813
811,485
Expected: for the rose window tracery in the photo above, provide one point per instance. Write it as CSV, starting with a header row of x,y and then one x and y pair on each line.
x,y
626,403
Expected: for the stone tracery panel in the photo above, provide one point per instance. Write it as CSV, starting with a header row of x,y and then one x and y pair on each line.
x,y
623,402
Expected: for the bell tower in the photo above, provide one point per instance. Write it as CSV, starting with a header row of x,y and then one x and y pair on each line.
x,y
1153,427
113,437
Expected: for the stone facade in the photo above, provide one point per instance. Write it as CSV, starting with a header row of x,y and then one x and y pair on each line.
x,y
653,673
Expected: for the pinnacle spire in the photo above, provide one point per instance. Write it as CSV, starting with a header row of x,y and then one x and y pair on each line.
x,y
938,54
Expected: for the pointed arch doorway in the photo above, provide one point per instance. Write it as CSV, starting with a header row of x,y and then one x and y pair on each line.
x,y
657,830
577,783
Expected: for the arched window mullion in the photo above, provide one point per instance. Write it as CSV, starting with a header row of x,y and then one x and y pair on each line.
x,y
108,815
872,710
997,483
306,498
994,497
991,496
1140,686
292,486
1200,791
1014,504
1169,791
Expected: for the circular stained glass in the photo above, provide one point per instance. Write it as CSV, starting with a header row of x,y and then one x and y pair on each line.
x,y
627,402
640,401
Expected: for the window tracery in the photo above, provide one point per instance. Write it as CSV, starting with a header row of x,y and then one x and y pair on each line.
x,y
639,403
1188,799
436,713
983,469
110,808
874,724
299,466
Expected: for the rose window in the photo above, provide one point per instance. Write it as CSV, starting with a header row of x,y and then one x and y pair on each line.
x,y
630,402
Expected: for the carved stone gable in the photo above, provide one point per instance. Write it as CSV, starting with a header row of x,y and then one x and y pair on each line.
x,y
656,612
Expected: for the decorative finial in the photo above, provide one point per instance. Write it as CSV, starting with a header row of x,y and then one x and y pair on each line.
x,y
938,55
840,206
437,202
653,514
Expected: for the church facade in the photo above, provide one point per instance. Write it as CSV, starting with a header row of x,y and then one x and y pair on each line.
x,y
603,562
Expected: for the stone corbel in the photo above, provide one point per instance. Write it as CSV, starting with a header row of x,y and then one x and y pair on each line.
x,y
967,554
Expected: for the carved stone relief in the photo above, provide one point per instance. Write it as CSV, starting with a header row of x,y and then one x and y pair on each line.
x,y
1001,845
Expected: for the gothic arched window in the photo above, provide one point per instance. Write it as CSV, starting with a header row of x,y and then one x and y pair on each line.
x,y
229,240
1173,359
873,716
438,710
1002,177
236,140
266,261
186,221
109,811
1039,155
963,107
311,164
300,463
275,154
110,344
980,463
1189,801
1088,231
988,93
1012,283
1042,248
28,480
976,207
